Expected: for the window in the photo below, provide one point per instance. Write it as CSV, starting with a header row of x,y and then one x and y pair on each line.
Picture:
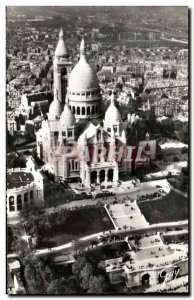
x,y
78,110
108,129
69,166
115,129
87,93
83,94
83,111
31,195
56,134
26,198
88,110
19,202
73,109
11,204
78,94
63,133
76,165
72,163
92,110
70,133
99,135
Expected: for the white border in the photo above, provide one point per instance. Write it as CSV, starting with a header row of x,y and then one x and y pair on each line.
x,y
3,4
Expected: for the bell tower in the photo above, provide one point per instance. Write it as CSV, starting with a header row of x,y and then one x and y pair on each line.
x,y
62,67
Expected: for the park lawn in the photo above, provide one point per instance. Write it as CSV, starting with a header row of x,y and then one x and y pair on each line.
x,y
172,207
77,223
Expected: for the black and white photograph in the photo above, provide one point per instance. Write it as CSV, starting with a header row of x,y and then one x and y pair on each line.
x,y
97,150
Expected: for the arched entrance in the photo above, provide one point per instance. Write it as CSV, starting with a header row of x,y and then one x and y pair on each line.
x,y
93,177
145,280
110,175
102,175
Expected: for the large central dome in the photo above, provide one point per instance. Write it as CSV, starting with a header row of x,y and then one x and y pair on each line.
x,y
83,77
83,89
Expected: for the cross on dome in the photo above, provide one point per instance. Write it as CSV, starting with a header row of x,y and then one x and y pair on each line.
x,y
67,99
112,97
61,33
55,93
82,48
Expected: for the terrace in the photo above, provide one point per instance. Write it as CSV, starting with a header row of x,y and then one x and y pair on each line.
x,y
18,179
127,215
149,253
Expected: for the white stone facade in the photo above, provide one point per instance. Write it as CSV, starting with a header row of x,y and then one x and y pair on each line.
x,y
24,194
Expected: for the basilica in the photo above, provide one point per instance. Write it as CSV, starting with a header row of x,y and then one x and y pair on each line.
x,y
76,117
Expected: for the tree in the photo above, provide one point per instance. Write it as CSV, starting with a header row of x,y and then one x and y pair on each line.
x,y
60,286
40,278
89,277
21,248
37,275
85,275
14,161
183,133
34,223
78,266
97,285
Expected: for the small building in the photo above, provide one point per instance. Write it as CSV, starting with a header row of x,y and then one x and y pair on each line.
x,y
149,262
35,103
14,281
149,146
25,186
172,147
11,122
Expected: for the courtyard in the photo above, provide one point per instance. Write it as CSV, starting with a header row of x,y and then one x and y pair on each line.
x,y
170,208
76,224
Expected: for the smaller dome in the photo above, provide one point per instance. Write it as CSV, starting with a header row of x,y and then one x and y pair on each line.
x,y
55,109
112,114
61,49
67,117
